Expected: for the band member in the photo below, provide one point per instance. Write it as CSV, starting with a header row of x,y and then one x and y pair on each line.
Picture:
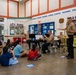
x,y
48,41
71,29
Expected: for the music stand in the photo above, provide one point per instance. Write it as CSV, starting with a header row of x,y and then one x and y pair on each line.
x,y
31,36
47,35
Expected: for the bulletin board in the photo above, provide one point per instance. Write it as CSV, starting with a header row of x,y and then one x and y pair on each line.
x,y
16,29
43,27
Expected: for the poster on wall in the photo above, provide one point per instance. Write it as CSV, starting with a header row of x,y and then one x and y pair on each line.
x,y
16,29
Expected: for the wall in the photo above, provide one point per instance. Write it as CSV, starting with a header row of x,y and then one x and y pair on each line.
x,y
54,17
7,22
39,7
21,9
3,10
9,8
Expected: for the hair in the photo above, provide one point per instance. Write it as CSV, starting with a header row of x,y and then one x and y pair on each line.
x,y
16,43
8,41
0,42
69,18
33,47
5,50
50,30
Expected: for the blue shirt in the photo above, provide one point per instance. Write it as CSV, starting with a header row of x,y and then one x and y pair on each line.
x,y
17,50
5,59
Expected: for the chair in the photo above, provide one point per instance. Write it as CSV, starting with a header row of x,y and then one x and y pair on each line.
x,y
53,46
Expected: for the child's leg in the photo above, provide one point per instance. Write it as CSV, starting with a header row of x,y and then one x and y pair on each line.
x,y
23,54
39,55
13,61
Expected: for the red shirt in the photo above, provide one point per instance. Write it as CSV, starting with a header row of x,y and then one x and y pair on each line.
x,y
32,54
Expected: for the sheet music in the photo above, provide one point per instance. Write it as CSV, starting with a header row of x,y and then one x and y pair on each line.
x,y
38,37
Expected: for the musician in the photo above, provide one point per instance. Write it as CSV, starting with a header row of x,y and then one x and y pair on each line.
x,y
48,41
60,39
28,40
38,41
71,29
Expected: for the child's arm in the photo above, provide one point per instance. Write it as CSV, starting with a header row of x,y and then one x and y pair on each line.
x,y
12,53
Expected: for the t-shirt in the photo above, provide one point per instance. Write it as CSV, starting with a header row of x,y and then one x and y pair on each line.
x,y
18,50
70,27
5,59
50,38
32,54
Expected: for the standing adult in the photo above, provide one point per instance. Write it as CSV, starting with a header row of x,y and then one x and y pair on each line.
x,y
70,31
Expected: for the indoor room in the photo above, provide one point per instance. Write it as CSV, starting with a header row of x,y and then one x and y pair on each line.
x,y
38,37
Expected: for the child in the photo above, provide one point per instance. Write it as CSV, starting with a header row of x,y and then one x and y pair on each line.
x,y
1,47
7,58
18,50
33,53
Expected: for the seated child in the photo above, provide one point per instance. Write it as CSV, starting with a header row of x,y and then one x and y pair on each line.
x,y
33,53
7,58
1,47
18,50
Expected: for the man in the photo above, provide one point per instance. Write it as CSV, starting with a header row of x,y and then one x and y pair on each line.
x,y
60,38
71,29
48,41
28,40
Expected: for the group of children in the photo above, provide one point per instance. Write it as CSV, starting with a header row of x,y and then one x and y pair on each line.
x,y
12,51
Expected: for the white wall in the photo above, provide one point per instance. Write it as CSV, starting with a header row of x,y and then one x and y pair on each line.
x,y
7,22
27,8
13,9
53,4
21,9
43,6
66,2
55,18
34,7
3,7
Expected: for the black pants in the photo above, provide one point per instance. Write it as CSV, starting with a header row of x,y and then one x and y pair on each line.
x,y
58,43
38,43
29,43
45,47
70,46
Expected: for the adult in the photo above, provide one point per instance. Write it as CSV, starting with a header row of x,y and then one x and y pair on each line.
x,y
71,29
48,41
28,40
60,37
